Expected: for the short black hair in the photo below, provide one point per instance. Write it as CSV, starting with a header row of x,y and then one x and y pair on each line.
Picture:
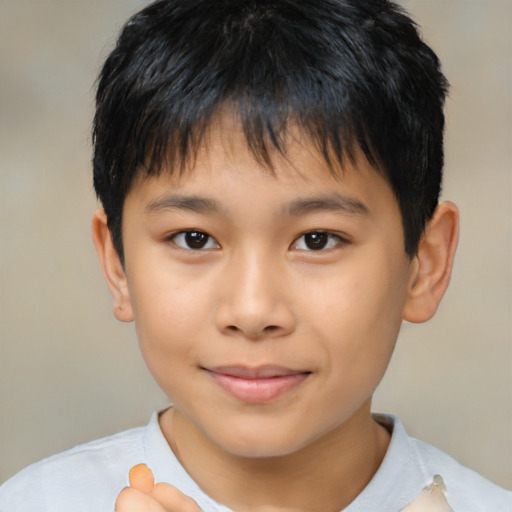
x,y
352,74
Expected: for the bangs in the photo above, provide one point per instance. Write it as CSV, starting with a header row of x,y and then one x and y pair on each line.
x,y
354,77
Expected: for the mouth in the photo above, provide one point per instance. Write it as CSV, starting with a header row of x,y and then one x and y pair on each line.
x,y
257,385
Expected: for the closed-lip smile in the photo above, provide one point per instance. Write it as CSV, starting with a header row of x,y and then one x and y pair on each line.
x,y
256,384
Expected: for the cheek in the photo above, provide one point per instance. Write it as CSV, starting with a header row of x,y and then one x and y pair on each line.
x,y
362,317
166,318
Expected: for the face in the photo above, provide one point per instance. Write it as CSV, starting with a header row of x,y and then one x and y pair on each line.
x,y
266,305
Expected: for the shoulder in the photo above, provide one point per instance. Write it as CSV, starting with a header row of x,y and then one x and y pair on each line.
x,y
465,489
89,476
410,466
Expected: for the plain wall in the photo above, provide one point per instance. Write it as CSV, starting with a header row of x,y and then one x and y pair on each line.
x,y
69,372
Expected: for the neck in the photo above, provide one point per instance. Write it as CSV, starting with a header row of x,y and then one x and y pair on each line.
x,y
324,476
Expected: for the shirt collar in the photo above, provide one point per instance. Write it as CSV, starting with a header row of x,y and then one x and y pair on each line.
x,y
399,480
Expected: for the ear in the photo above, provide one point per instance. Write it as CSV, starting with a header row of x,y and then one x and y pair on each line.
x,y
112,267
432,265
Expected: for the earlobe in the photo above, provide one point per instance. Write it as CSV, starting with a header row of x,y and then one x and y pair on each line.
x,y
112,267
432,265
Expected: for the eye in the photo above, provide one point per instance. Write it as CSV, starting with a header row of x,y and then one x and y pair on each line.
x,y
194,239
317,241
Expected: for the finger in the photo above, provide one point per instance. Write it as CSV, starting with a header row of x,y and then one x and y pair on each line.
x,y
174,500
141,478
430,500
132,500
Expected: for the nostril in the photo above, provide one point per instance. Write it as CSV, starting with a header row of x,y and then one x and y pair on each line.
x,y
269,330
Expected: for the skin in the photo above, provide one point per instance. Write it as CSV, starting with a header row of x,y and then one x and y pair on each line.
x,y
144,496
257,294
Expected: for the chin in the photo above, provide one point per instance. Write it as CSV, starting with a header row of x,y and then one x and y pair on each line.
x,y
261,449
259,443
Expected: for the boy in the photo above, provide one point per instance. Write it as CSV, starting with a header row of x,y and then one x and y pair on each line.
x,y
269,173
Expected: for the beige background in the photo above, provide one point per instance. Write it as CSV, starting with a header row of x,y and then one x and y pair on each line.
x,y
69,372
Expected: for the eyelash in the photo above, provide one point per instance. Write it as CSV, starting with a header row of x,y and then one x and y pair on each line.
x,y
325,240
193,232
332,241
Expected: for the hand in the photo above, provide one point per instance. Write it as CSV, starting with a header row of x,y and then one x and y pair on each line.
x,y
144,495
432,499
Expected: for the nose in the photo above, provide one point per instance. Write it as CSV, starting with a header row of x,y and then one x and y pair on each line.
x,y
253,299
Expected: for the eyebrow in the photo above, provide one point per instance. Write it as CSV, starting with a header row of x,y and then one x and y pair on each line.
x,y
328,203
192,203
301,206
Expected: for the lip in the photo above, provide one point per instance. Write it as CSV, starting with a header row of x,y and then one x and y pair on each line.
x,y
257,385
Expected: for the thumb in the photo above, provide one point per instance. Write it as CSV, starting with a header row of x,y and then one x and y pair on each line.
x,y
141,478
172,499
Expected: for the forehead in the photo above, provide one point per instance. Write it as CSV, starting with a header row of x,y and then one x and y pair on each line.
x,y
224,173
290,154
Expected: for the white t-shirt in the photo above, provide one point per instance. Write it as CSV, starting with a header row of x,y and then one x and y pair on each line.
x,y
89,477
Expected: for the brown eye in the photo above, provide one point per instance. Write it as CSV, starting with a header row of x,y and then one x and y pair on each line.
x,y
194,240
317,241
